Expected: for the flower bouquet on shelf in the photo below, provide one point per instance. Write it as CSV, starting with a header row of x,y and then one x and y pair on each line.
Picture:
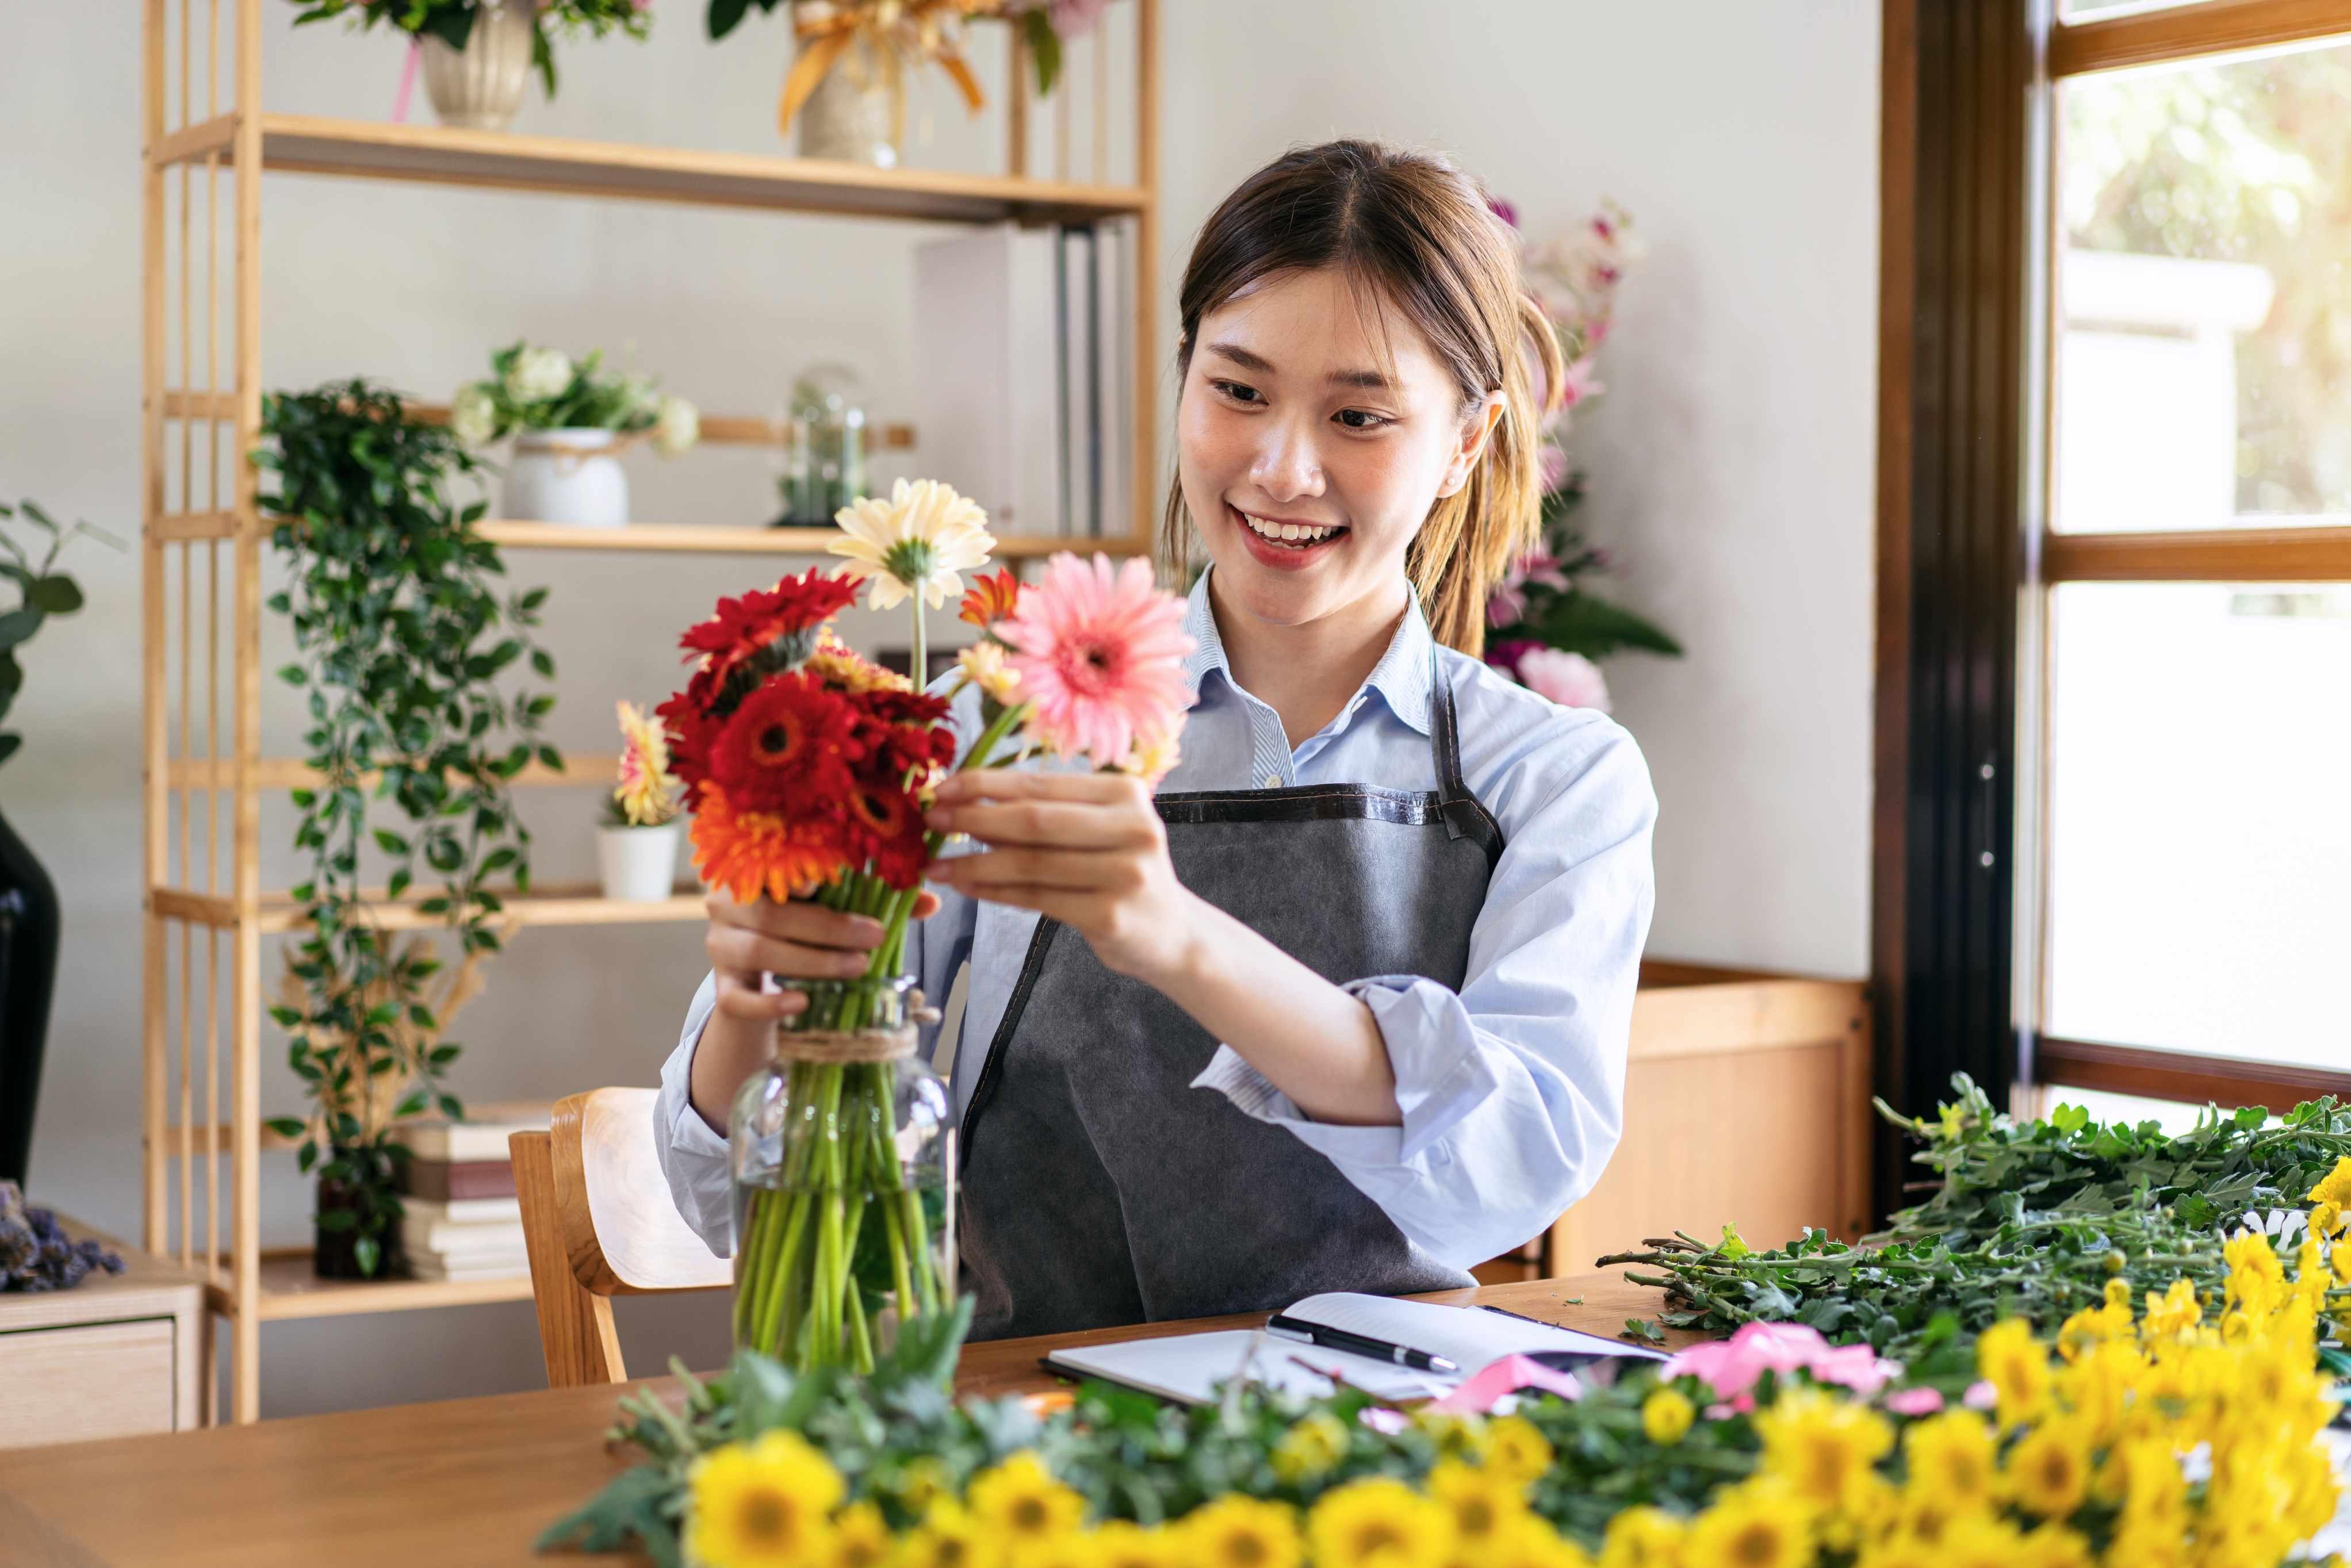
x,y
504,39
570,421
637,845
1546,627
807,769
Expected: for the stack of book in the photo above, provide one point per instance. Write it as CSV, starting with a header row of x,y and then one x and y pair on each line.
x,y
1025,360
461,1219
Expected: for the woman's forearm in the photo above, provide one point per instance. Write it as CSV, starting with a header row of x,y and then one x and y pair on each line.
x,y
730,1050
1313,1040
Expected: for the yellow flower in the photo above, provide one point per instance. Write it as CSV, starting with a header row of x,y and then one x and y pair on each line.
x,y
861,1537
1020,1500
1901,1550
1457,1436
2017,1368
2338,1258
836,663
2172,1313
2335,1187
2053,1546
1665,1416
1821,1447
914,543
1514,1448
1069,1548
1238,1532
985,666
1643,1538
922,1482
1979,1541
1310,1448
1379,1522
1155,756
1923,1513
2255,1275
1953,1454
2327,1219
2048,1472
1122,1544
648,790
1486,1505
1750,1527
762,1504
1529,1543
949,1537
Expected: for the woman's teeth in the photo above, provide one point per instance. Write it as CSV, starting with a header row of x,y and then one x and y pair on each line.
x,y
1299,534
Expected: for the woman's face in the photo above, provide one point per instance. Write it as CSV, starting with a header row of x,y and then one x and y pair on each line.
x,y
1307,469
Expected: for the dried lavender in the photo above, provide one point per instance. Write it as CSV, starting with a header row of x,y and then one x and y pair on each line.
x,y
35,1254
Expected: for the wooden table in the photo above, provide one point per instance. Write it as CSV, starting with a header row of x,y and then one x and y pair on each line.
x,y
465,1481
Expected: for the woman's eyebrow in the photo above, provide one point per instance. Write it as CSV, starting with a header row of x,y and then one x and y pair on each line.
x,y
1247,361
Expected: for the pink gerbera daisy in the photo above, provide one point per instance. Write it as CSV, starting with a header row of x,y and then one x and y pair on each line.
x,y
1100,656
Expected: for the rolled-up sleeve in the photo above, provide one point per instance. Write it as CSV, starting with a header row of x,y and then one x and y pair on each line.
x,y
1512,1088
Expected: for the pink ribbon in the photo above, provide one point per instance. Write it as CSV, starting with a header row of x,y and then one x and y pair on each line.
x,y
407,83
1513,1372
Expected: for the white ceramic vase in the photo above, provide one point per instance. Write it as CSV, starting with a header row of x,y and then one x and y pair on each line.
x,y
479,88
640,865
570,476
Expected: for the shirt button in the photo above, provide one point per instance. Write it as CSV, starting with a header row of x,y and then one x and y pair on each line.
x,y
1274,781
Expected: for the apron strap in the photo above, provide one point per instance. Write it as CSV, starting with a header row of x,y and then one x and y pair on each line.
x,y
1465,816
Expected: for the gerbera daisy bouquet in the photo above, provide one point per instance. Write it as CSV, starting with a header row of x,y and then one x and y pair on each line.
x,y
807,769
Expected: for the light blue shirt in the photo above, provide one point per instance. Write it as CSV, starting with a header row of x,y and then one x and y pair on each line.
x,y
1512,1088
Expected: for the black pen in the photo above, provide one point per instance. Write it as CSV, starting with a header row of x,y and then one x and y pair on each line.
x,y
1361,1345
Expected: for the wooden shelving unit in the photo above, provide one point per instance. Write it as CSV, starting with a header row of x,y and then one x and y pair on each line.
x,y
208,142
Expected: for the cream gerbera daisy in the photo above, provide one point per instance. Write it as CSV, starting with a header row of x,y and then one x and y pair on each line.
x,y
985,666
919,541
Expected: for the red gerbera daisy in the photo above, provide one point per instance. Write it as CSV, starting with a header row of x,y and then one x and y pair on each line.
x,y
885,826
765,632
790,740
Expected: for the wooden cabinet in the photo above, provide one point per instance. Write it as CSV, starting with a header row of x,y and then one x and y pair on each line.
x,y
118,1355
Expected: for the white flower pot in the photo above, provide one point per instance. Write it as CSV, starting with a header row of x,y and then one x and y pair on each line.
x,y
640,865
849,116
566,477
480,88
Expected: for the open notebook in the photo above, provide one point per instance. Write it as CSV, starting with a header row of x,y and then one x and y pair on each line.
x,y
1188,1367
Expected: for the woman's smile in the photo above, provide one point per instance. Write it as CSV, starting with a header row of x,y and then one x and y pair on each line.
x,y
1285,544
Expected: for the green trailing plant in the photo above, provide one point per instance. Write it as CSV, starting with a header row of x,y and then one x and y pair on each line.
x,y
408,656
452,22
42,591
2030,1219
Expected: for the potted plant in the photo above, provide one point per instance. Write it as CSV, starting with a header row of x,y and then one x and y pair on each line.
x,y
571,422
406,654
28,900
637,845
478,55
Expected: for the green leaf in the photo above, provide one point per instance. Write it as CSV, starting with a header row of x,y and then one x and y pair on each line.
x,y
1045,45
1582,623
54,594
286,1126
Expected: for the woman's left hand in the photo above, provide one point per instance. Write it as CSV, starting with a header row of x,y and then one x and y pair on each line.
x,y
1084,849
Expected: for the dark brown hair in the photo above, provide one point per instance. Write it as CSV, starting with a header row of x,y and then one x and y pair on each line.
x,y
1412,232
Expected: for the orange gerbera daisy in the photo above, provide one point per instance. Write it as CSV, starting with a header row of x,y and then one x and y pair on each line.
x,y
756,853
990,599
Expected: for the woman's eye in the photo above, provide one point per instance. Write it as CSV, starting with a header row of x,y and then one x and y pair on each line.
x,y
1361,419
1238,393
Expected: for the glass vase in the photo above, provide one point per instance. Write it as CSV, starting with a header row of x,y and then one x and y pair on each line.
x,y
842,1154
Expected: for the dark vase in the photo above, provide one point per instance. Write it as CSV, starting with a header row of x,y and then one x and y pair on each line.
x,y
336,1254
28,974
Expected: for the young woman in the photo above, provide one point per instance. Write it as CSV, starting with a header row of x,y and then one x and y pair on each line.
x,y
1346,1006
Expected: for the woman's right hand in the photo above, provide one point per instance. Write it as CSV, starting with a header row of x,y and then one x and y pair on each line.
x,y
747,942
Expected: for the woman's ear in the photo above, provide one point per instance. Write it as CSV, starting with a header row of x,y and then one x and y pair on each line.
x,y
1476,432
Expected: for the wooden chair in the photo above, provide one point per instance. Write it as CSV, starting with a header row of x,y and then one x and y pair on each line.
x,y
598,1222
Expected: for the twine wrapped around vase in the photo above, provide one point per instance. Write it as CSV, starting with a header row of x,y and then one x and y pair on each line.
x,y
859,1044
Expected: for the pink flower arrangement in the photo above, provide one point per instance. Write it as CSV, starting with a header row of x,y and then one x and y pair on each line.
x,y
1569,680
1099,652
1731,1367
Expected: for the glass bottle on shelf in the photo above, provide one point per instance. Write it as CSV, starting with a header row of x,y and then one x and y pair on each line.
x,y
824,446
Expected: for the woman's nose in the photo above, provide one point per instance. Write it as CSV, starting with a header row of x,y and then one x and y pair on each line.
x,y
1287,466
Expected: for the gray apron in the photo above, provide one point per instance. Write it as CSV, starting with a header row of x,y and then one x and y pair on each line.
x,y
1098,1187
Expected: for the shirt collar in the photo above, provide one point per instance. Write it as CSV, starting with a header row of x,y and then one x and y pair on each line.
x,y
1401,677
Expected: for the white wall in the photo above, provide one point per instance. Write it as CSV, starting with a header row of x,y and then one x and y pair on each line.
x,y
1731,464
